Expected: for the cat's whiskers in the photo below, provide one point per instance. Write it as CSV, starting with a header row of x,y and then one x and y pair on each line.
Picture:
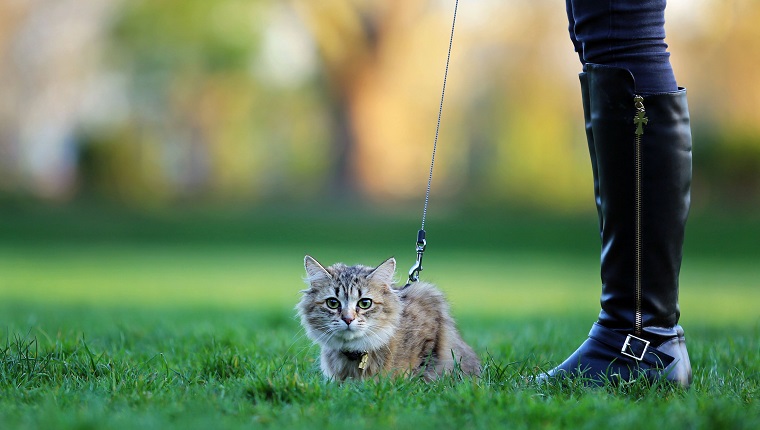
x,y
300,335
304,350
379,340
326,331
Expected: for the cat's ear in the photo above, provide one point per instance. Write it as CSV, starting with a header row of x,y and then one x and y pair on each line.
x,y
384,273
315,273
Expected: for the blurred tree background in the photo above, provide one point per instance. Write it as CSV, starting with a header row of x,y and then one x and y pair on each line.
x,y
244,102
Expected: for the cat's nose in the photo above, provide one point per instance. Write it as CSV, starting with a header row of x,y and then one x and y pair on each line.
x,y
347,319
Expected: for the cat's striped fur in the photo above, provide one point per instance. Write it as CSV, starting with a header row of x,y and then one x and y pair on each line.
x,y
356,313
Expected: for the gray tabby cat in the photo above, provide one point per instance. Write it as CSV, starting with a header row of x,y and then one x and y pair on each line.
x,y
366,325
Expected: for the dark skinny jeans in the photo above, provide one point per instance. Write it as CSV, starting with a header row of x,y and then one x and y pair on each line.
x,y
624,33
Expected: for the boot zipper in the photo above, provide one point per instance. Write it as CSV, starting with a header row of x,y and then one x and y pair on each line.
x,y
640,120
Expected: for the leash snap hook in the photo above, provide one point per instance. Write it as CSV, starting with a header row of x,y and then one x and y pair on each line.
x,y
414,272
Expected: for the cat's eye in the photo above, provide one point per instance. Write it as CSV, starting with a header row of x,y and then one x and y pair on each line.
x,y
364,303
332,303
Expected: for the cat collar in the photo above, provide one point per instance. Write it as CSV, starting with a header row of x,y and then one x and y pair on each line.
x,y
358,355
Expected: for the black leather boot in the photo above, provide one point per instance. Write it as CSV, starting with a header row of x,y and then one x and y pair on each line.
x,y
640,147
591,148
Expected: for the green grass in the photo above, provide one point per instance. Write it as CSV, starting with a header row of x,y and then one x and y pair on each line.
x,y
108,322
79,367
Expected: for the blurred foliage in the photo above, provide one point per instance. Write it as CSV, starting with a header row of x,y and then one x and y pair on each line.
x,y
238,101
202,125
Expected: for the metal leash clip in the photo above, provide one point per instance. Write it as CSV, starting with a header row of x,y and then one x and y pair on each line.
x,y
414,272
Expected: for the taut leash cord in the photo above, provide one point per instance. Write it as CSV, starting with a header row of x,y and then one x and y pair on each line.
x,y
414,272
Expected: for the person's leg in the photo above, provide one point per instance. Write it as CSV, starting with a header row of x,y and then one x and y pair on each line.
x,y
571,29
629,34
586,111
640,147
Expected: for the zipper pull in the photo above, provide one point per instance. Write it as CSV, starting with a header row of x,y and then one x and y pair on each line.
x,y
639,120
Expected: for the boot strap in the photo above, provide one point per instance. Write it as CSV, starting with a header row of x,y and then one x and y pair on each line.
x,y
630,346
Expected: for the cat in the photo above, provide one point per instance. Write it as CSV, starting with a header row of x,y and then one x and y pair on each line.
x,y
366,325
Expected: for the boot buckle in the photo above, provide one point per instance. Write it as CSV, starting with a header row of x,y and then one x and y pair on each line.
x,y
628,351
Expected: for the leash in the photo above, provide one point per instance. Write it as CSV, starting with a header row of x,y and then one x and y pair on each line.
x,y
414,272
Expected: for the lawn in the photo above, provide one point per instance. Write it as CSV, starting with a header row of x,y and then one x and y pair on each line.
x,y
114,320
